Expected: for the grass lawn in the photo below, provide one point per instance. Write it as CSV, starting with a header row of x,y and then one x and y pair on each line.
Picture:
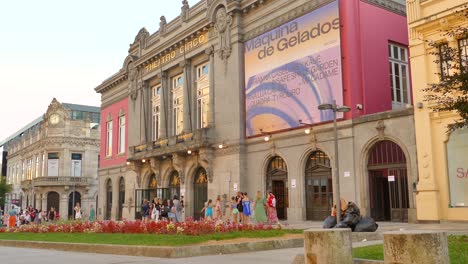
x,y
458,250
142,239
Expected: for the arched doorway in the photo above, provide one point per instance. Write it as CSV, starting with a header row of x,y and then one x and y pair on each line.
x,y
108,200
200,193
121,196
318,186
277,182
174,185
388,182
53,200
73,198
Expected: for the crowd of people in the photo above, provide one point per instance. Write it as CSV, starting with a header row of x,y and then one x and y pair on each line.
x,y
16,216
241,209
159,209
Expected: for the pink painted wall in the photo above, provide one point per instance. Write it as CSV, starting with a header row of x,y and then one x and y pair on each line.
x,y
366,32
116,158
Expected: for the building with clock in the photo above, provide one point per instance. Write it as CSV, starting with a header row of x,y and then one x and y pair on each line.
x,y
219,98
53,161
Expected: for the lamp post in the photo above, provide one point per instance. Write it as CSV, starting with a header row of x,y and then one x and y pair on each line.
x,y
335,176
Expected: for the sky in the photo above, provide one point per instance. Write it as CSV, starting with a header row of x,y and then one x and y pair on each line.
x,y
64,49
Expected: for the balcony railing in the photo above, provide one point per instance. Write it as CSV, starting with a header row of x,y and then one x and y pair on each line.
x,y
200,138
57,181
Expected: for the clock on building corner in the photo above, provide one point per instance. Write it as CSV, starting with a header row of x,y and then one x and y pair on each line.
x,y
54,119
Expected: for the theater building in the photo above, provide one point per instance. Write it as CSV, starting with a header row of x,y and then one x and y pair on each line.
x,y
220,98
442,189
53,161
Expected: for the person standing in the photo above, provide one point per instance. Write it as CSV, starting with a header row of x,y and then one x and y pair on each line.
x,y
12,218
234,210
271,209
51,214
260,215
246,208
240,207
145,211
92,214
218,214
77,211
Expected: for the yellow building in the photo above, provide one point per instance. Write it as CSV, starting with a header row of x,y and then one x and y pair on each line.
x,y
442,187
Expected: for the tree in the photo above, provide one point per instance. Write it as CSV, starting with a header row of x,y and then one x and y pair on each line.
x,y
4,189
451,92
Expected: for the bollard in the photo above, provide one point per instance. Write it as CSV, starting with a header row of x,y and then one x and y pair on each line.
x,y
414,247
328,246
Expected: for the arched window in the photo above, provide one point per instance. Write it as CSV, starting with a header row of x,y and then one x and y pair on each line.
x,y
174,184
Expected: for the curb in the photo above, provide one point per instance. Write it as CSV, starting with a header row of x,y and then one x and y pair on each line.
x,y
160,252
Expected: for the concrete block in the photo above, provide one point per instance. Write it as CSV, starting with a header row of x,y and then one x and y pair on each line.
x,y
414,247
328,246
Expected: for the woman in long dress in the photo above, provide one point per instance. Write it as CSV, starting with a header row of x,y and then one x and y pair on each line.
x,y
260,215
77,211
271,202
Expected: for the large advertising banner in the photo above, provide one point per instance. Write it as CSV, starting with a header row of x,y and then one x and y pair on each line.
x,y
457,149
291,70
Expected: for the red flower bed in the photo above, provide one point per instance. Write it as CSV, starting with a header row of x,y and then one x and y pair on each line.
x,y
189,227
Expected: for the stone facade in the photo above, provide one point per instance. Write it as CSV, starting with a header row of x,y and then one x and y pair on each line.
x,y
196,62
427,21
53,157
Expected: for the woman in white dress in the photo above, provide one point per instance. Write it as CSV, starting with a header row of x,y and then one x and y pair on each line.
x,y
77,211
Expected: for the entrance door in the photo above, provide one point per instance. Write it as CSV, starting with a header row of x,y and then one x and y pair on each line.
x,y
319,188
200,193
280,192
388,182
276,181
53,200
72,200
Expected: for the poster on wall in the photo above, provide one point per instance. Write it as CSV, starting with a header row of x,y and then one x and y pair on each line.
x,y
457,148
291,70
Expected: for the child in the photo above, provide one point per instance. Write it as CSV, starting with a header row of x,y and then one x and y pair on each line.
x,y
234,210
208,210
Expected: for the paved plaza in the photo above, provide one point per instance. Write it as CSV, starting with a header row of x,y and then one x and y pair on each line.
x,y
13,255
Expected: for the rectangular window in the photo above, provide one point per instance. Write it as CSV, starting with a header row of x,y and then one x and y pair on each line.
x,y
95,117
399,75
43,164
463,51
53,164
444,58
76,164
37,166
122,134
203,95
202,70
177,105
156,105
77,115
109,139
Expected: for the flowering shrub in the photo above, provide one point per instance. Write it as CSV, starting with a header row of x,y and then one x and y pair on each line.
x,y
190,227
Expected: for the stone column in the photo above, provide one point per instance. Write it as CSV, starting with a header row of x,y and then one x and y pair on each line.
x,y
64,206
165,92
115,199
328,246
186,96
416,247
211,114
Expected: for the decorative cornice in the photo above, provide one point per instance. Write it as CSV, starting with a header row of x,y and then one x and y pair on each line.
x,y
389,5
112,81
279,20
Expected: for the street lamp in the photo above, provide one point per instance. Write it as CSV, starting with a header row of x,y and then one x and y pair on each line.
x,y
335,176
